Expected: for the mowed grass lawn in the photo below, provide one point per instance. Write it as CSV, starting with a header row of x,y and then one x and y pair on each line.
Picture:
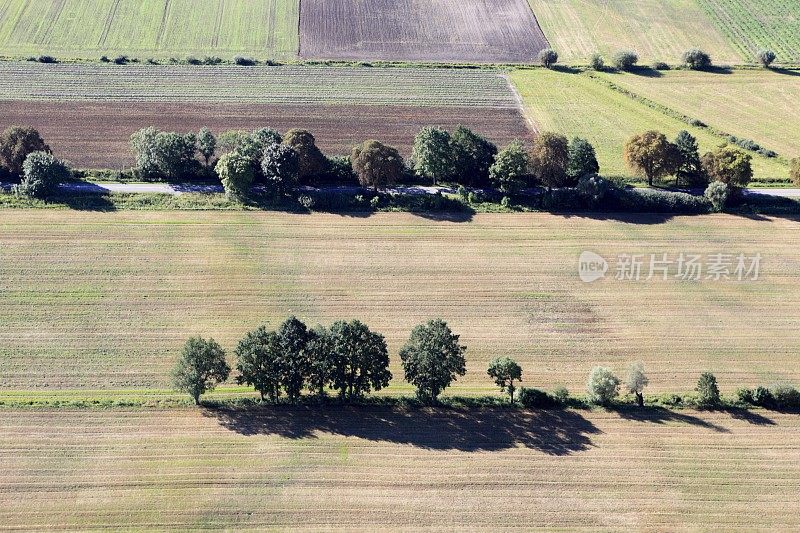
x,y
577,105
377,469
755,104
656,29
105,300
149,28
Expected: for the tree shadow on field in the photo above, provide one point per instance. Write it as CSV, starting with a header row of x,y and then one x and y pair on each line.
x,y
786,71
553,432
749,416
465,215
660,415
646,72
642,219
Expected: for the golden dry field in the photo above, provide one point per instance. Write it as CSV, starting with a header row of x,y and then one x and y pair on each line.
x,y
366,469
92,301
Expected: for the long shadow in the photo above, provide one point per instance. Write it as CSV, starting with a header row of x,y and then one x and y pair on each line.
x,y
645,219
660,415
786,71
554,432
646,72
750,417
463,215
85,202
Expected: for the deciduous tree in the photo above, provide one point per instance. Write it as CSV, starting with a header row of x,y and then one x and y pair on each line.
x,y
312,163
636,381
16,143
432,359
433,154
707,390
361,359
235,171
549,160
729,165
41,174
473,155
582,159
258,361
505,371
603,385
652,155
510,168
376,164
200,368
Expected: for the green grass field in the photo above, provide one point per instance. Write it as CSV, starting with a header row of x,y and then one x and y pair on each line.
x,y
149,28
577,105
756,104
187,469
751,25
657,29
105,300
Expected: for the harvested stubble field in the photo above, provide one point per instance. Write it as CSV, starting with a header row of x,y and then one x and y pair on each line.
x,y
341,106
657,29
187,469
105,300
751,25
501,31
577,104
755,104
149,28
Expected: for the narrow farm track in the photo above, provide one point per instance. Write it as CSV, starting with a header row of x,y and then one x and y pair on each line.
x,y
114,295
183,469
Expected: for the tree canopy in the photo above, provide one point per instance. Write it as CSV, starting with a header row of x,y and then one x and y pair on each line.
x,y
200,368
432,359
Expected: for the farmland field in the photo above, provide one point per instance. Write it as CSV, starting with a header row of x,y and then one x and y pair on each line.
x,y
579,105
751,25
341,106
760,105
149,28
105,300
501,31
190,469
657,29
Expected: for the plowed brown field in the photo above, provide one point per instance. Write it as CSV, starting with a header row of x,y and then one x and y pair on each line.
x,y
367,470
97,134
501,31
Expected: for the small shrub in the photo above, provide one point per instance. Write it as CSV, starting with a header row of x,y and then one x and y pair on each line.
x,y
104,59
625,60
767,153
717,193
698,123
191,60
766,57
561,395
536,399
46,59
121,60
707,390
506,202
762,396
603,386
596,62
660,65
785,396
548,57
463,193
152,61
375,202
41,175
696,59
244,61
745,396
212,60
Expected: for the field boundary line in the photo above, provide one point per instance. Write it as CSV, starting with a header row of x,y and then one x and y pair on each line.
x,y
521,104
672,113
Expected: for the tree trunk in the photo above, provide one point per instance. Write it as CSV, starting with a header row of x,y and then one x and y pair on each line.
x,y
640,399
197,399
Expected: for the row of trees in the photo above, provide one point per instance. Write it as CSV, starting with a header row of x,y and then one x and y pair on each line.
x,y
346,357
626,60
654,157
